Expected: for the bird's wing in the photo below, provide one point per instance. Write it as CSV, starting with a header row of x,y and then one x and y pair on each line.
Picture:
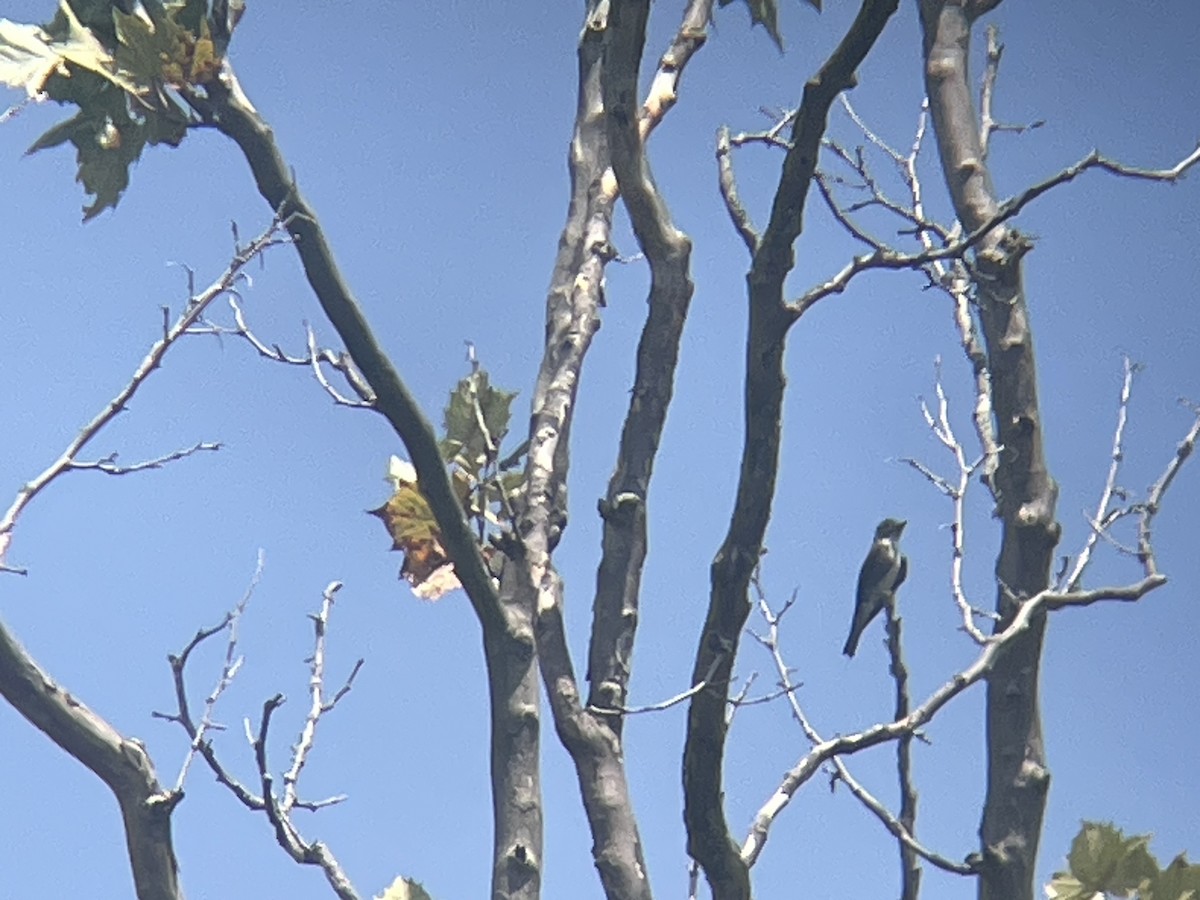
x,y
875,569
903,573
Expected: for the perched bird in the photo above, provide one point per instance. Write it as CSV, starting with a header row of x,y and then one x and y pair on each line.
x,y
884,570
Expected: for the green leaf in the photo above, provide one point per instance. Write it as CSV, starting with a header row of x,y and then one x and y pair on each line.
x,y
193,15
81,47
476,420
1064,886
96,15
508,484
143,47
1103,859
1178,881
108,139
1137,868
766,14
120,69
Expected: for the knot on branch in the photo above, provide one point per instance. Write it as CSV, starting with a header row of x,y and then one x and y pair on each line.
x,y
997,263
135,754
719,644
610,695
1034,775
1001,853
522,864
164,802
622,509
968,169
604,250
1036,521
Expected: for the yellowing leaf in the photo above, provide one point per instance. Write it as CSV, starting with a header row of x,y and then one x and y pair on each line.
x,y
26,61
414,532
29,55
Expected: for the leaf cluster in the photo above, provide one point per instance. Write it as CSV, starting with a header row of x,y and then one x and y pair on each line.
x,y
1104,862
129,70
475,422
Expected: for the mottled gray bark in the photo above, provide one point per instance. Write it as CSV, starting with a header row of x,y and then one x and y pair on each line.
x,y
506,617
1017,776
120,762
710,842
607,160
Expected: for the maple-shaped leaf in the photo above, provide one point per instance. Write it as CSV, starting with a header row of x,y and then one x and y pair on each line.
x,y
1178,881
1104,861
476,420
766,14
414,532
108,136
26,59
30,54
159,48
123,70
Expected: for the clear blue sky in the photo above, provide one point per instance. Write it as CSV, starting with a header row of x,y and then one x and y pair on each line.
x,y
432,140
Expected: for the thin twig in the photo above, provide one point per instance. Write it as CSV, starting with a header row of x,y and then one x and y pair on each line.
x,y
108,465
990,653
192,313
887,259
1102,519
318,705
771,643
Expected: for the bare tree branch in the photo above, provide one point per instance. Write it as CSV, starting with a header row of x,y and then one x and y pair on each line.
x,y
120,762
1102,519
288,837
988,125
318,704
1028,613
277,809
229,670
957,492
592,733
727,183
982,231
315,358
1017,774
709,839
198,732
1159,489
895,827
655,707
504,609
68,460
229,110
910,866
109,465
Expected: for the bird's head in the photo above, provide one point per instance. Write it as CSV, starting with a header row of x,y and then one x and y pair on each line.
x,y
890,528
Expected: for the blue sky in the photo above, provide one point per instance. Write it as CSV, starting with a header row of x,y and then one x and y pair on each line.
x,y
432,141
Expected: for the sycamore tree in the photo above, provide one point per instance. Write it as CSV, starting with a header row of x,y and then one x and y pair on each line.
x,y
1030,491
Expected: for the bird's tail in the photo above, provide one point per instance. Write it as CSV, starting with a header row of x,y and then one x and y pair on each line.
x,y
852,642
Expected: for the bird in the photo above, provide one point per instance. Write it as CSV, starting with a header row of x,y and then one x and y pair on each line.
x,y
882,572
